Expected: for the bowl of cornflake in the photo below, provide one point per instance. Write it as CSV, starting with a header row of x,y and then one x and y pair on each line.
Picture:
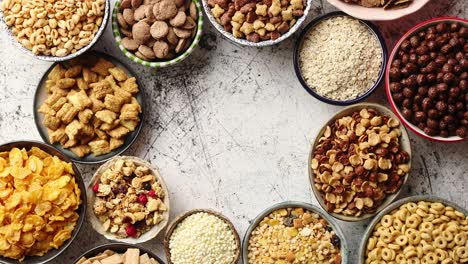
x,y
378,9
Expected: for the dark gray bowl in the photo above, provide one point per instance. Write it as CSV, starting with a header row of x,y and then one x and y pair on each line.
x,y
41,95
97,36
393,206
119,248
310,207
53,253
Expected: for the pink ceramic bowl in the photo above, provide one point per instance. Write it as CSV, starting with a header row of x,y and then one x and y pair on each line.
x,y
366,13
421,26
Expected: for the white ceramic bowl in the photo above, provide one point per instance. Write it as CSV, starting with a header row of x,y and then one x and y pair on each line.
x,y
377,13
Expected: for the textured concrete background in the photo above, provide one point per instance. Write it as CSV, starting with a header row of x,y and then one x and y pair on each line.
x,y
230,128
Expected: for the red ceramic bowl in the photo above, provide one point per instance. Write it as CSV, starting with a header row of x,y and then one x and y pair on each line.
x,y
416,29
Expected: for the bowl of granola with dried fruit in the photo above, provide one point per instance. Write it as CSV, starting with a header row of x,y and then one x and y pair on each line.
x,y
359,161
90,107
378,9
54,30
128,200
257,23
294,232
157,33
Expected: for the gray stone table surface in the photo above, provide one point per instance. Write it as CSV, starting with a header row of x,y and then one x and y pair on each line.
x,y
230,128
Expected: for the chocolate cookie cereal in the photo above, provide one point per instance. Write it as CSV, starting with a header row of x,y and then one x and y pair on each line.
x,y
257,20
157,30
429,79
358,162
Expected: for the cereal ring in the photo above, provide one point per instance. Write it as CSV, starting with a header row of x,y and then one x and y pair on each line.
x,y
439,242
430,258
159,29
161,49
462,252
164,9
401,240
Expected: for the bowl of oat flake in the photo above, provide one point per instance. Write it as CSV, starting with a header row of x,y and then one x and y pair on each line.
x,y
340,60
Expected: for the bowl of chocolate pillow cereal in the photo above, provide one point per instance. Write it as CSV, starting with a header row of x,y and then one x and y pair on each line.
x,y
427,79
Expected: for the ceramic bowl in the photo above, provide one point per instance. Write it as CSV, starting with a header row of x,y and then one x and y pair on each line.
x,y
377,13
41,95
53,253
293,204
404,143
297,48
265,43
97,36
182,217
422,26
98,225
119,248
157,64
395,205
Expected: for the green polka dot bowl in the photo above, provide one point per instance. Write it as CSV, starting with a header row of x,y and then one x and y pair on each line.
x,y
118,36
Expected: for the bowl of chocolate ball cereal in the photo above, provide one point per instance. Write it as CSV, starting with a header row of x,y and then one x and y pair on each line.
x,y
294,232
427,79
157,33
340,60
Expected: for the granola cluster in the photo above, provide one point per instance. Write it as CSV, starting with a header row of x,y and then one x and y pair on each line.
x,y
129,199
90,106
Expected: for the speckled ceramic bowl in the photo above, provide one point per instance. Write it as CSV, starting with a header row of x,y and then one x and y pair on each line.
x,y
404,142
297,67
180,218
245,42
53,253
157,64
41,95
119,248
289,204
98,225
377,13
395,205
98,35
397,109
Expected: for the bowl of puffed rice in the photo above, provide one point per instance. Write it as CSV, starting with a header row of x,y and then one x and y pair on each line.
x,y
417,229
333,70
54,30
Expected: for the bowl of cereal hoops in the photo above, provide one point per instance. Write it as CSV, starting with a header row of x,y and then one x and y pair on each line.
x,y
54,30
257,23
119,253
359,161
43,202
417,229
128,200
294,232
91,107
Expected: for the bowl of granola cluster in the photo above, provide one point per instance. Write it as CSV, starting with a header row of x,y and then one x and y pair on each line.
x,y
293,232
359,161
128,200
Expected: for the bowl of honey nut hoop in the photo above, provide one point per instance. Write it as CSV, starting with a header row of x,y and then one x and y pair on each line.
x,y
294,232
359,161
257,23
157,33
128,200
417,229
378,9
43,202
54,30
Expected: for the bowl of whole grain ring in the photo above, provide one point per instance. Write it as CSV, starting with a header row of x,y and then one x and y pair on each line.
x,y
58,32
417,229
333,71
157,33
259,23
359,161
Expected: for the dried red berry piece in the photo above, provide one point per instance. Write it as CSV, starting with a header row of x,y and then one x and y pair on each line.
x,y
152,193
142,199
96,187
131,231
